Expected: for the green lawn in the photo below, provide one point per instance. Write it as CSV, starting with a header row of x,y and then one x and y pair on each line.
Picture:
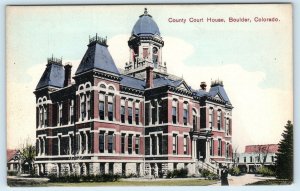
x,y
272,182
172,182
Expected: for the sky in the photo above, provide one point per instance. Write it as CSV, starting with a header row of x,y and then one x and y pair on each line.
x,y
254,60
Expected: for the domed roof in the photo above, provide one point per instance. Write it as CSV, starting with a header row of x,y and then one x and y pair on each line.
x,y
145,26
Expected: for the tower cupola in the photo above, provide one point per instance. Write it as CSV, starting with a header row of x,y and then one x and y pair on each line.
x,y
145,46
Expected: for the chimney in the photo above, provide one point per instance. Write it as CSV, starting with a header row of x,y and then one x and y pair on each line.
x,y
203,86
68,68
149,77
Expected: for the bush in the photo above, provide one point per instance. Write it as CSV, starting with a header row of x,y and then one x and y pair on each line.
x,y
265,171
235,171
207,174
12,173
182,173
84,178
204,172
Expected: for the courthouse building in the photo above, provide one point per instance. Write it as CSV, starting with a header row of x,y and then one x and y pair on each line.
x,y
137,120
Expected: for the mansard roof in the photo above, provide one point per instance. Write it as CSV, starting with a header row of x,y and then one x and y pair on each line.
x,y
53,75
97,56
218,89
132,82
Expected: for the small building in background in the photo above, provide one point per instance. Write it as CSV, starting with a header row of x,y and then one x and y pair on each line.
x,y
256,156
13,162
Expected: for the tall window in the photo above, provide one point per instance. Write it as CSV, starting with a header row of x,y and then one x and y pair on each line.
x,y
71,144
45,117
194,120
250,158
60,114
129,112
122,111
123,143
110,108
130,144
101,106
137,144
185,144
82,107
174,144
101,142
185,113
174,111
83,142
88,105
227,151
41,117
110,143
72,111
145,53
219,120
245,159
154,144
219,147
137,116
59,144
210,117
154,112
211,149
227,126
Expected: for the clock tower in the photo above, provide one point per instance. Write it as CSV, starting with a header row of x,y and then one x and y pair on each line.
x,y
145,46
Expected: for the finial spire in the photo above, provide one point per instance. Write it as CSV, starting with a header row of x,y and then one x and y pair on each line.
x,y
145,11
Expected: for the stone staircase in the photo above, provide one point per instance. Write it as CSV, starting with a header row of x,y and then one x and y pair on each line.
x,y
210,166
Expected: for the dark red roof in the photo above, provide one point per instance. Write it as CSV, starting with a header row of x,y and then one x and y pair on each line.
x,y
10,153
271,148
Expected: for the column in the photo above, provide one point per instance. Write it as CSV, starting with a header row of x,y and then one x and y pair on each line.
x,y
207,154
157,144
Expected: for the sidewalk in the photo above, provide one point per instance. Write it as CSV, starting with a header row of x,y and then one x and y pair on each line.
x,y
243,180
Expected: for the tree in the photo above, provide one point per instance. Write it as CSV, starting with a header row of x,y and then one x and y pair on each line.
x,y
27,156
284,161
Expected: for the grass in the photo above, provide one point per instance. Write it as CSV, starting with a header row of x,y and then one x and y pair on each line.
x,y
272,182
171,182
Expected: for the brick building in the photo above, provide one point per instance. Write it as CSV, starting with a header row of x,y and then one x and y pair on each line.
x,y
138,120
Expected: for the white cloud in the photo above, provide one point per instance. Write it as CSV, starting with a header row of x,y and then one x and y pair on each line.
x,y
259,114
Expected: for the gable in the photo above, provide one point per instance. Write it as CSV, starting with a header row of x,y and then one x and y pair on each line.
x,y
184,86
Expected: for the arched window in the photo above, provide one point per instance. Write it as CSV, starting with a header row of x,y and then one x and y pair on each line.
x,y
102,86
194,120
88,105
111,88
